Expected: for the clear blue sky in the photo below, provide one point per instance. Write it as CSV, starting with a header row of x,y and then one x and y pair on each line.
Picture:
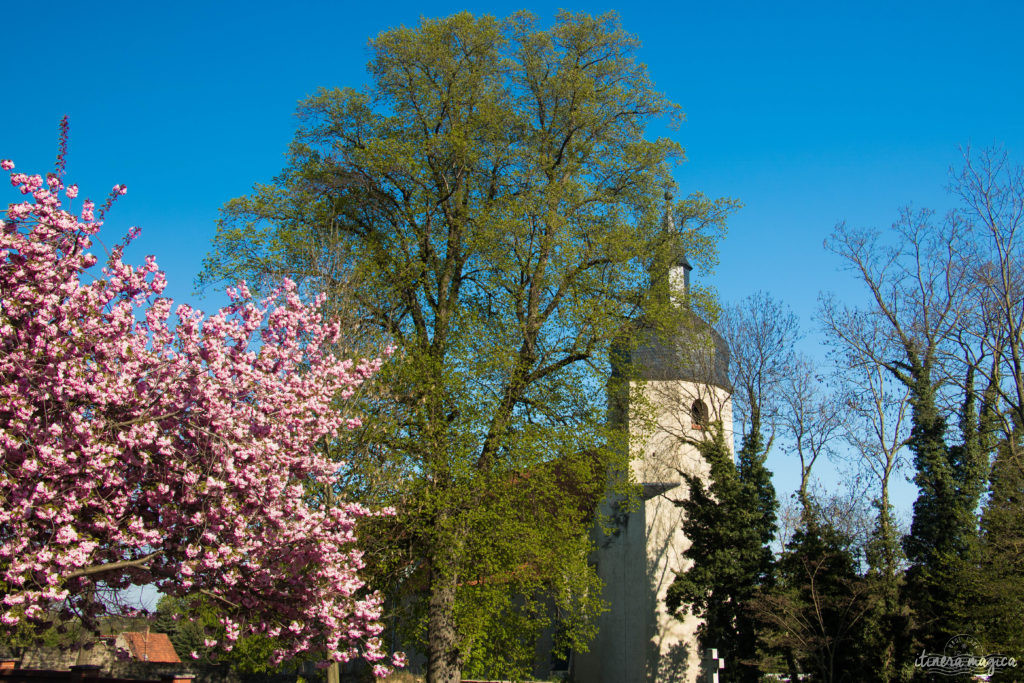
x,y
810,113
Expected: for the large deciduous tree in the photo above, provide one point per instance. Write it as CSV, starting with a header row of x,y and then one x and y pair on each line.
x,y
141,450
991,193
877,411
494,206
920,327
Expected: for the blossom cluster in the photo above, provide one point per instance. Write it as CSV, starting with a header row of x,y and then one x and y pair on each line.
x,y
146,443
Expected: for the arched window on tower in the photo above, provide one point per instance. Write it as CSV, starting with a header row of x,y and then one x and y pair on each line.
x,y
699,414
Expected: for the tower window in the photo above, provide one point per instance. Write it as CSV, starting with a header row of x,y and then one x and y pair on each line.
x,y
699,414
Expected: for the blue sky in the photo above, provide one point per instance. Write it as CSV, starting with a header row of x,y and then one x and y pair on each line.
x,y
809,113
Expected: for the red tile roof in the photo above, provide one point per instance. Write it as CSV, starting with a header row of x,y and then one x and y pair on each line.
x,y
151,647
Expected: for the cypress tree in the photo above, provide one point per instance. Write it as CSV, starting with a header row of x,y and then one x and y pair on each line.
x,y
1000,575
730,523
942,543
761,505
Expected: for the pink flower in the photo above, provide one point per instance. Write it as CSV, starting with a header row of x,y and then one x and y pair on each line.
x,y
71,191
6,164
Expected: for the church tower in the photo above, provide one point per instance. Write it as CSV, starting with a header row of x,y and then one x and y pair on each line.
x,y
670,388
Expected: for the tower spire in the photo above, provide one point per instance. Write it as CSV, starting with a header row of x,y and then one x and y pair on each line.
x,y
669,220
679,271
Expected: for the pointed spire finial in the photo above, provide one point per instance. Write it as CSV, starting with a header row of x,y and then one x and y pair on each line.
x,y
669,221
679,272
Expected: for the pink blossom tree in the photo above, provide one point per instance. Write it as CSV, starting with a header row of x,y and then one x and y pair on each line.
x,y
179,455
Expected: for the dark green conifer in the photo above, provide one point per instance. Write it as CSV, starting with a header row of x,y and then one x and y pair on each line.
x,y
817,613
942,545
730,523
1000,577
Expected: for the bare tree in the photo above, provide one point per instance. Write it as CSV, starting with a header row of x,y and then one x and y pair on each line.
x,y
761,333
876,425
919,280
918,286
991,192
811,418
846,509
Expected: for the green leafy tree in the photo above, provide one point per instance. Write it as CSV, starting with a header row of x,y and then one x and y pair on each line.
x,y
176,617
190,621
490,204
886,626
761,503
68,635
942,544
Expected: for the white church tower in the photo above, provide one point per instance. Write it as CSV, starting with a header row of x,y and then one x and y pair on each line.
x,y
678,384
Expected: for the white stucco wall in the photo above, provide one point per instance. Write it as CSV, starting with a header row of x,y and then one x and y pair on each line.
x,y
638,641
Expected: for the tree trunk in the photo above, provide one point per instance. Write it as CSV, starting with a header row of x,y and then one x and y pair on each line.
x,y
794,670
444,664
90,648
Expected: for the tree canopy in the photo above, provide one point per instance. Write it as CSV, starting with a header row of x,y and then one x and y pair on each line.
x,y
491,203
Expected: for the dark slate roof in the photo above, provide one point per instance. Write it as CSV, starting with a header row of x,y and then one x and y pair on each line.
x,y
695,353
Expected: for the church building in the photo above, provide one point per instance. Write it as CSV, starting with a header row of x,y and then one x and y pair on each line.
x,y
674,387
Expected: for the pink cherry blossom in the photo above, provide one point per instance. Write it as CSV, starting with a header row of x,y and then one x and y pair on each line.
x,y
143,449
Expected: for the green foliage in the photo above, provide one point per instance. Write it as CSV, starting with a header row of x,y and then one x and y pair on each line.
x,y
886,648
57,634
942,545
730,523
816,615
490,204
188,622
1000,574
174,616
761,505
